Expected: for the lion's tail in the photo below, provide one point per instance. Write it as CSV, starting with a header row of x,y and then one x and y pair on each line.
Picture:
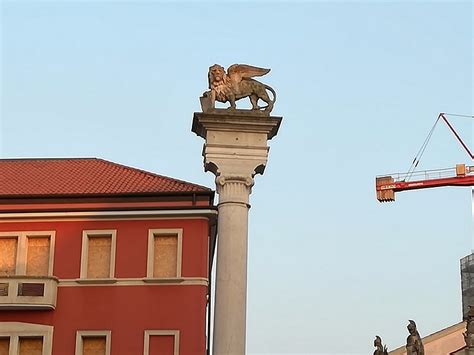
x,y
269,88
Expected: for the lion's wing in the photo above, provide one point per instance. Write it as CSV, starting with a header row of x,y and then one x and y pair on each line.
x,y
237,72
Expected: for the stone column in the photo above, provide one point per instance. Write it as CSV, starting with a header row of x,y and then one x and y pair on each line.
x,y
235,150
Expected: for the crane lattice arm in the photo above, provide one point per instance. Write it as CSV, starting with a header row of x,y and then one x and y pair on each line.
x,y
462,175
386,186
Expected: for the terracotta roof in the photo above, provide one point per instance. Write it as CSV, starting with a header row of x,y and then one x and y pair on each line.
x,y
83,176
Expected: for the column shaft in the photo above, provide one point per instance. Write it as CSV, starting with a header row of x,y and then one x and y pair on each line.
x,y
231,278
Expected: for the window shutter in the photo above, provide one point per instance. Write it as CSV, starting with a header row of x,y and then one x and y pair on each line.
x,y
31,346
8,250
4,346
37,263
99,256
165,256
93,345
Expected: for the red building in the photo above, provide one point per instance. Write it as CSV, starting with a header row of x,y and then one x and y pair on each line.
x,y
100,258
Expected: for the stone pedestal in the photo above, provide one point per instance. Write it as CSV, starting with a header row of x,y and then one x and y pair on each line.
x,y
235,150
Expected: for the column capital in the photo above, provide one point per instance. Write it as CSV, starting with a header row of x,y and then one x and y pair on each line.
x,y
221,180
234,189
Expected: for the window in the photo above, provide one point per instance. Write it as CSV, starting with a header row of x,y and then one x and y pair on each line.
x,y
18,338
164,253
161,342
95,342
98,254
26,253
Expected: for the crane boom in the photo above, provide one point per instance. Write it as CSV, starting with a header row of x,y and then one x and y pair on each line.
x,y
387,186
462,175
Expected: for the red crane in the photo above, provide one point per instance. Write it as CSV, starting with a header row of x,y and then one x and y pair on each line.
x,y
461,175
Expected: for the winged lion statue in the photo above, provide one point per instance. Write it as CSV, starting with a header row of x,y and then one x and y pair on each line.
x,y
237,84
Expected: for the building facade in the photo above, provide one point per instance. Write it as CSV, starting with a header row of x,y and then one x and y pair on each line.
x,y
100,258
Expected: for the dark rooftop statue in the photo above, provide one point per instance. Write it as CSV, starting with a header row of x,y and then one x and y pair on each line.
x,y
237,84
380,349
414,344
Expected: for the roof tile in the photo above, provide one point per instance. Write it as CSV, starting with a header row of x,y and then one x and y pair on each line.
x,y
83,176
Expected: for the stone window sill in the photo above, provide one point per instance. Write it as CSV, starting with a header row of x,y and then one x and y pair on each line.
x,y
97,281
163,280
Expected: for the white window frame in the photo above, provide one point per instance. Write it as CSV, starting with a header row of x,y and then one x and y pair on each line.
x,y
17,330
22,248
80,334
149,333
151,250
86,234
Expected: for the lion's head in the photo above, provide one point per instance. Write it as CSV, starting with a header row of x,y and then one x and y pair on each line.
x,y
216,76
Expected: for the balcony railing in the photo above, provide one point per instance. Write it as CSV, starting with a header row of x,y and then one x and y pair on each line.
x,y
28,292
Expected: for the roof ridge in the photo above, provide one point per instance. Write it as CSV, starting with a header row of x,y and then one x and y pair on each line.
x,y
60,158
126,167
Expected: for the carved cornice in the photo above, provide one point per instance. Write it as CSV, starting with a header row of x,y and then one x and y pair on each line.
x,y
235,121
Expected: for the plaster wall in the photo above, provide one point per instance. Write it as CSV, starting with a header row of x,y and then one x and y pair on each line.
x,y
130,304
131,244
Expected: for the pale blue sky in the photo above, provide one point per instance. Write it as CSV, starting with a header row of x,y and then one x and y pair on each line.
x,y
359,85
